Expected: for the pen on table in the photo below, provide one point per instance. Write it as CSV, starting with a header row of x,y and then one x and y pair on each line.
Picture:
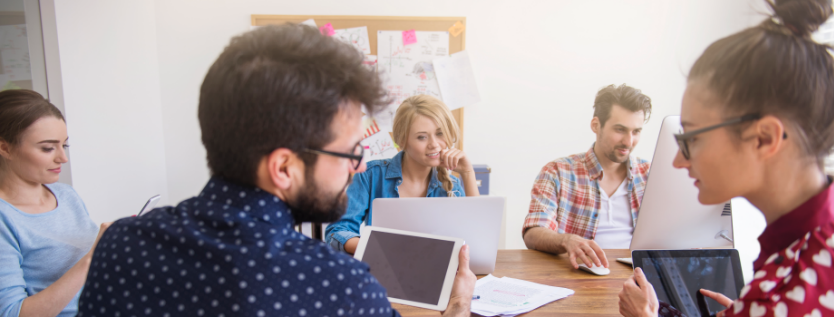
x,y
476,297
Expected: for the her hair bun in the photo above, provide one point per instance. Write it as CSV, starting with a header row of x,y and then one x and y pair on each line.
x,y
803,17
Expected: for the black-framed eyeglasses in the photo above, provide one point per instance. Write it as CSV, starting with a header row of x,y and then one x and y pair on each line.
x,y
683,138
355,157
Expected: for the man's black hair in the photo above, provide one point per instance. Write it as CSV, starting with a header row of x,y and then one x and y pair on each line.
x,y
279,87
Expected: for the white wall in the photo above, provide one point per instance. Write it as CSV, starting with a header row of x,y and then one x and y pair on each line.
x,y
539,65
111,100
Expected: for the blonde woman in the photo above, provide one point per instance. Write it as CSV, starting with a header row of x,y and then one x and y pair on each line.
x,y
428,134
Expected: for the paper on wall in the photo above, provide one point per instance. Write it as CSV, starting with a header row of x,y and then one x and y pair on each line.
x,y
407,70
456,80
379,146
14,52
370,126
310,22
358,37
370,62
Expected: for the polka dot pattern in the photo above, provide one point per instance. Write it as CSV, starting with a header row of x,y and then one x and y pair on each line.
x,y
231,251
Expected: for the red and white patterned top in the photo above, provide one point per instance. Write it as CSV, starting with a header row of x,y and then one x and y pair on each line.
x,y
794,274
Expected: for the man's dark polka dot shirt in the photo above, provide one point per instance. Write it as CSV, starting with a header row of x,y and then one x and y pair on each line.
x,y
231,251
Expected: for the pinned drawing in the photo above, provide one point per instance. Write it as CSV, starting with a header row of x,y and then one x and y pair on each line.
x,y
456,80
310,22
358,37
379,146
407,69
370,62
370,126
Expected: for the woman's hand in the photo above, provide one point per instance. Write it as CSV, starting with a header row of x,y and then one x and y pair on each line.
x,y
638,297
720,298
455,160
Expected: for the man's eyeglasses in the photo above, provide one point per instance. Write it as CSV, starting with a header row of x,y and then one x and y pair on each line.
x,y
683,138
355,157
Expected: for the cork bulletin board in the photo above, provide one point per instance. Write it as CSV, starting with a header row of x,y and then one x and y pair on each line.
x,y
381,23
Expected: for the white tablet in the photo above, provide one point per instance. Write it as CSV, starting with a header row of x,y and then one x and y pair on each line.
x,y
416,269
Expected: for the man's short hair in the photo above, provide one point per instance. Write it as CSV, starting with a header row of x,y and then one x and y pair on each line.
x,y
279,87
627,97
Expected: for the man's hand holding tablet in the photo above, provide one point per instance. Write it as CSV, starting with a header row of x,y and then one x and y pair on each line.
x,y
461,299
421,270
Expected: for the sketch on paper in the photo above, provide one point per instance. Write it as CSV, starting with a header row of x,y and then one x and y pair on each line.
x,y
407,69
379,146
358,37
370,126
14,53
370,62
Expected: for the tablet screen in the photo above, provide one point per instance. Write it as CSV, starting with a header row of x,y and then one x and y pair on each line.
x,y
677,277
410,268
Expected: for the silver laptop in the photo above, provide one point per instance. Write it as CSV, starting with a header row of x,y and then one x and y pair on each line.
x,y
476,220
670,215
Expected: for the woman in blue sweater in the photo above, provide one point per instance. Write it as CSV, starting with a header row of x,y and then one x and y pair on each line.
x,y
46,234
428,135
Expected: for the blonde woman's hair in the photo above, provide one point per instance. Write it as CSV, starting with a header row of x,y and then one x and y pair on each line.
x,y
434,109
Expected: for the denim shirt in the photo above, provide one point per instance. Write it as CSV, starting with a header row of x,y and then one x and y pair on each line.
x,y
381,180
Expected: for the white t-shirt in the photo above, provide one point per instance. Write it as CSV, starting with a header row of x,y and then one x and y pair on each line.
x,y
615,226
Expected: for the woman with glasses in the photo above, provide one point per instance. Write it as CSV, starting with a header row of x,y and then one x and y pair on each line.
x,y
427,134
758,117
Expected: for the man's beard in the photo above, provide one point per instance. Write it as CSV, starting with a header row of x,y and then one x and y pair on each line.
x,y
314,205
613,154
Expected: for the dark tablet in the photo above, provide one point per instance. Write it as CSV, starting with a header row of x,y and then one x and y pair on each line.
x,y
416,269
678,275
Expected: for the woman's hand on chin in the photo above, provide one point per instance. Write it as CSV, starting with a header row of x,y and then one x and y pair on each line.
x,y
455,160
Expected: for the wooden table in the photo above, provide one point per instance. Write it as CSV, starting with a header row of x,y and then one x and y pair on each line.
x,y
595,295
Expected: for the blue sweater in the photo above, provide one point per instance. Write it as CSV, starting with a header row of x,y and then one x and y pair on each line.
x,y
36,250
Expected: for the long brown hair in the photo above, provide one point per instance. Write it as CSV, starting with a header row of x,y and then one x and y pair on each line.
x,y
434,109
19,109
775,68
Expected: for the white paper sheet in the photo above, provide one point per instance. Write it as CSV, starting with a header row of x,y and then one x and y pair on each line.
x,y
508,296
310,22
456,80
407,69
14,52
358,37
379,146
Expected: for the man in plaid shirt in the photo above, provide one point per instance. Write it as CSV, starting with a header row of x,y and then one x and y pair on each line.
x,y
587,202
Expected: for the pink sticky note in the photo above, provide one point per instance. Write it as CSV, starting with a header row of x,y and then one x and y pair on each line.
x,y
327,29
409,37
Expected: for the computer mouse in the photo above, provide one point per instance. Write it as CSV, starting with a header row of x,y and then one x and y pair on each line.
x,y
596,270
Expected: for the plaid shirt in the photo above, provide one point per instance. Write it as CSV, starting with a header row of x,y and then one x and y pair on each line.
x,y
566,194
